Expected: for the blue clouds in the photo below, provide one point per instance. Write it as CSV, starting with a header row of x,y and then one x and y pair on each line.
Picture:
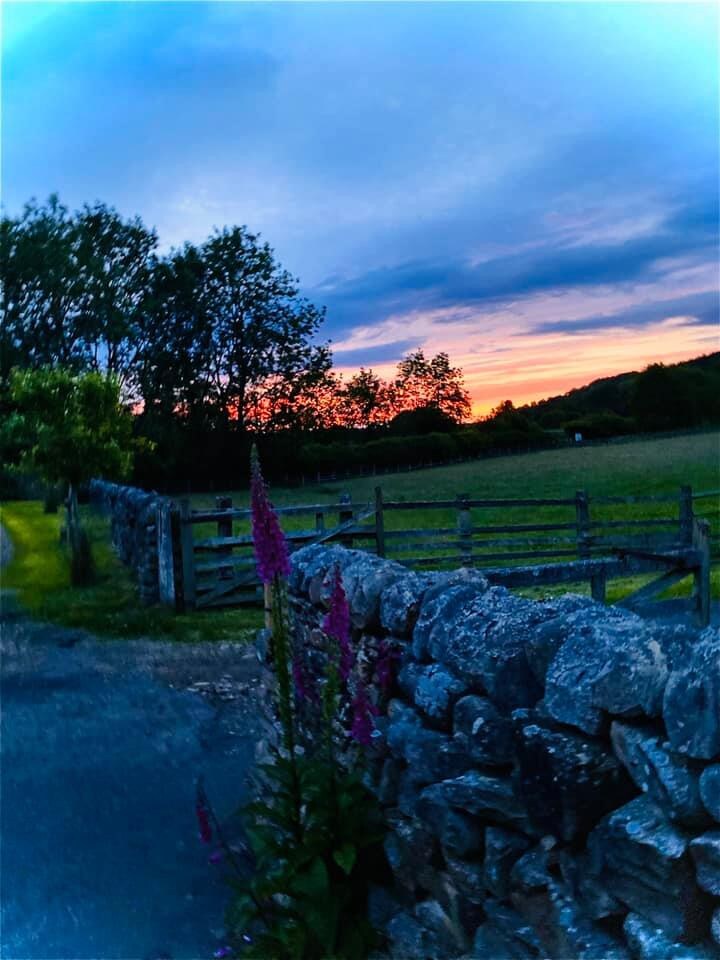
x,y
385,353
690,231
401,158
701,309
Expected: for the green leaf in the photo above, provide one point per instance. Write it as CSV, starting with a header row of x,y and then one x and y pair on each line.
x,y
312,882
345,857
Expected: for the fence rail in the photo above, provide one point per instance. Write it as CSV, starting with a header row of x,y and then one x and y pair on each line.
x,y
219,569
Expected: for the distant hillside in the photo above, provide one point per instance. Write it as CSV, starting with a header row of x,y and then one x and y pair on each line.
x,y
661,397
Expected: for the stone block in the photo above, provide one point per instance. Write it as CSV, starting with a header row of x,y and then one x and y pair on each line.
x,y
400,603
710,790
705,851
691,708
436,691
489,735
668,779
489,797
645,861
442,606
608,665
502,849
648,942
485,646
567,781
430,755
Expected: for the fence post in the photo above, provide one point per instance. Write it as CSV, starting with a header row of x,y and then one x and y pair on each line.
x,y
319,521
166,560
224,529
598,584
701,576
188,558
582,520
686,515
379,523
344,517
464,528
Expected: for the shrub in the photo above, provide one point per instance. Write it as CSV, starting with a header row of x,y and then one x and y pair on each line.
x,y
599,426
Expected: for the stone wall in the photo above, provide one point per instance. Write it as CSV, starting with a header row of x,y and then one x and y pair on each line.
x,y
133,523
549,771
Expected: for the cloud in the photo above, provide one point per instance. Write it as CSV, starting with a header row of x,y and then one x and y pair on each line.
x,y
699,309
382,353
689,231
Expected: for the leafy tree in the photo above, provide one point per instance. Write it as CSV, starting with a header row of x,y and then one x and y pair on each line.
x,y
174,365
73,288
261,328
366,400
228,331
72,427
41,287
115,262
432,383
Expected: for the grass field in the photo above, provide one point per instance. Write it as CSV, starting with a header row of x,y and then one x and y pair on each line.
x,y
39,571
39,576
645,467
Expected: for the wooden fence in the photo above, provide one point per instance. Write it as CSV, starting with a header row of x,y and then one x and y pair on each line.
x,y
581,538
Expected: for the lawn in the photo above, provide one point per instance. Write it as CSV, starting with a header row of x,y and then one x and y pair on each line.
x,y
643,467
38,575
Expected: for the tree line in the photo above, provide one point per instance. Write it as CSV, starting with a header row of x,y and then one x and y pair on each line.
x,y
216,330
214,347
212,343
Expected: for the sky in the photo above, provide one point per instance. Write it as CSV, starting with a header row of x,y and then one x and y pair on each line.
x,y
530,187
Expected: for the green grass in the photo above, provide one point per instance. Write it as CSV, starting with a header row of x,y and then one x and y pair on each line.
x,y
39,571
656,466
40,577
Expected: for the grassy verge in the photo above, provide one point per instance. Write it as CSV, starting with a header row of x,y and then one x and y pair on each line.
x,y
39,574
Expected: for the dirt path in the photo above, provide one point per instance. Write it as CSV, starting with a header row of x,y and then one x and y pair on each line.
x,y
102,742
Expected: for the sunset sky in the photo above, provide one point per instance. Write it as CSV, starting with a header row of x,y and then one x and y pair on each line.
x,y
531,187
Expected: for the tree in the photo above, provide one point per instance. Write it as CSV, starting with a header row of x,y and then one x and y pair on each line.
x,y
432,383
71,427
231,333
175,360
261,329
74,288
41,287
115,260
366,400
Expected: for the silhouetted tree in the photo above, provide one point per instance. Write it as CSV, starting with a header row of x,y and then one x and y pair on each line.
x,y
366,400
431,383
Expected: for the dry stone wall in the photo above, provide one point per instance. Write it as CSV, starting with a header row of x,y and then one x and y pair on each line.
x,y
133,523
549,771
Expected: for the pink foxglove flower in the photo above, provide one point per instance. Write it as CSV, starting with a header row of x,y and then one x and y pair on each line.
x,y
303,682
385,666
363,711
271,551
202,814
337,624
204,828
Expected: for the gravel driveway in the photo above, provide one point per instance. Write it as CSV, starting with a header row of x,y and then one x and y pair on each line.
x,y
102,742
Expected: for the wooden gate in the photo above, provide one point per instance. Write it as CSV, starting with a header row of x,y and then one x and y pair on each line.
x,y
579,538
220,570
